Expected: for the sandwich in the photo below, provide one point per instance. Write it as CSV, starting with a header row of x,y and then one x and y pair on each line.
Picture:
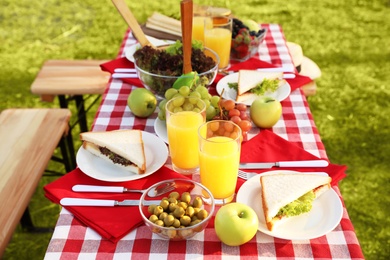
x,y
123,148
289,195
252,84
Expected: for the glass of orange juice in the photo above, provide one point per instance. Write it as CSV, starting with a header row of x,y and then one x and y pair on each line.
x,y
219,158
184,115
218,37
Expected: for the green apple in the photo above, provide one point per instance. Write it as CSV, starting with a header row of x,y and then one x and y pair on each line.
x,y
251,24
142,102
236,224
265,112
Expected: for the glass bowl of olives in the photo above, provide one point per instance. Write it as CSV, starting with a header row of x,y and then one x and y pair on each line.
x,y
180,213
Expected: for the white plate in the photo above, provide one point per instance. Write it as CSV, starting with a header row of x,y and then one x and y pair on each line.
x,y
230,93
156,153
160,128
325,215
129,52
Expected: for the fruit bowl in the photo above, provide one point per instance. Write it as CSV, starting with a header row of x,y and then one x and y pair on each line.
x,y
200,199
246,44
159,82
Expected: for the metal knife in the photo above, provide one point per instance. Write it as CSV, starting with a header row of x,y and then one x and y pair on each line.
x,y
94,188
310,163
103,202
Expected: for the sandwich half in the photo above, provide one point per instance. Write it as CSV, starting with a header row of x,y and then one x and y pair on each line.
x,y
289,195
252,84
123,148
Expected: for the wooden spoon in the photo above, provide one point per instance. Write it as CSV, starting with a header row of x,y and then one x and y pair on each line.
x,y
124,10
186,8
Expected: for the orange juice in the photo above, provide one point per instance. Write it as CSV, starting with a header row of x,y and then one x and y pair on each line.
x,y
198,28
219,40
182,130
219,159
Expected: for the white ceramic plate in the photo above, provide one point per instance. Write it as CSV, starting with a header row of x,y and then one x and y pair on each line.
x,y
160,128
325,215
156,153
229,93
129,52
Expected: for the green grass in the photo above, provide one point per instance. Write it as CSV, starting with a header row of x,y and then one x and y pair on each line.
x,y
349,40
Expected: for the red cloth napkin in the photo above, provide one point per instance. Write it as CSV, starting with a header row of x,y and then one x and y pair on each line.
x,y
110,66
110,222
254,63
269,147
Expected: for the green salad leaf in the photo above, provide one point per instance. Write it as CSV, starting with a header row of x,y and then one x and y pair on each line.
x,y
298,206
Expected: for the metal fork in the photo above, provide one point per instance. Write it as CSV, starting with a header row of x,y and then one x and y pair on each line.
x,y
246,175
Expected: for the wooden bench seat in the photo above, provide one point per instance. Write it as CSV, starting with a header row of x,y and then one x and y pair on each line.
x,y
28,138
71,79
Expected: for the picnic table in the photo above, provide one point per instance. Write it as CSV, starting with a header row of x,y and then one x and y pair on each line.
x,y
79,234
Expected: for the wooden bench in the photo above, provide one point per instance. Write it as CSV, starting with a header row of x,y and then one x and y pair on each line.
x,y
28,138
71,80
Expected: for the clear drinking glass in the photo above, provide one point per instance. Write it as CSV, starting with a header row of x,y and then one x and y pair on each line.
x,y
219,158
184,115
218,37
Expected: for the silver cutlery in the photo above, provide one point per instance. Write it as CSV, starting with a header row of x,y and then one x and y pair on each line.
x,y
159,190
247,175
104,203
309,163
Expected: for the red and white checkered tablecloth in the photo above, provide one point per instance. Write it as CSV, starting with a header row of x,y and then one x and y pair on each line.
x,y
73,240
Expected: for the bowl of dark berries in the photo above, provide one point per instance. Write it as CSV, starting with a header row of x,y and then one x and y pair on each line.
x,y
246,39
159,69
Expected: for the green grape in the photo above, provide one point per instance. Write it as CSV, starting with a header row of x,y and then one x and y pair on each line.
x,y
178,101
169,93
188,106
162,104
184,91
177,109
207,102
196,110
210,113
200,104
214,101
161,115
195,94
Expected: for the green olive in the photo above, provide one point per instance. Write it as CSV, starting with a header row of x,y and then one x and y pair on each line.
x,y
159,223
162,215
202,214
158,210
174,195
190,211
192,223
153,218
164,204
185,220
176,223
197,203
183,204
179,212
172,200
151,208
168,220
172,207
186,197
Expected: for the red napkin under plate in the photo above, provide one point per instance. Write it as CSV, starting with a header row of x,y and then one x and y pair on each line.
x,y
123,62
269,147
110,222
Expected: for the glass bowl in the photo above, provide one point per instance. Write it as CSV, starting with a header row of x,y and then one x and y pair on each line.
x,y
242,50
197,192
159,83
